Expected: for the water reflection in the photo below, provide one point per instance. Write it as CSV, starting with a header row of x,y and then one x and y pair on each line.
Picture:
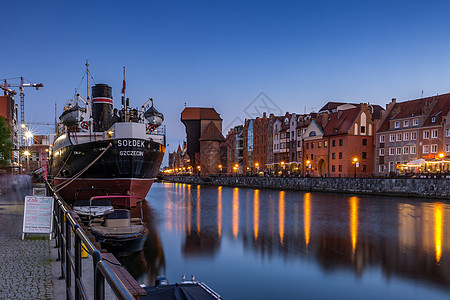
x,y
406,238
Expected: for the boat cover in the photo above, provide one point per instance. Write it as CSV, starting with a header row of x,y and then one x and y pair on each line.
x,y
185,291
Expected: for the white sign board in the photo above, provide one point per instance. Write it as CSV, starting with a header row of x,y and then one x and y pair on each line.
x,y
37,217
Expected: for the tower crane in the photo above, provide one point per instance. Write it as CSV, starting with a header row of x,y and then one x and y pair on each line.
x,y
21,85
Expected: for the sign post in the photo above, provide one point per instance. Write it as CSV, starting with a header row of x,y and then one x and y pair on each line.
x,y
37,216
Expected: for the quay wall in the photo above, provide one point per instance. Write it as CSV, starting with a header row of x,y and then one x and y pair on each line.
x,y
405,187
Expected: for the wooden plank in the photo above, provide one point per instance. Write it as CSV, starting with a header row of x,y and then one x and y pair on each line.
x,y
130,283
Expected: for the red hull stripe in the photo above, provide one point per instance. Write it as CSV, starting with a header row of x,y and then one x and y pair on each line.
x,y
102,100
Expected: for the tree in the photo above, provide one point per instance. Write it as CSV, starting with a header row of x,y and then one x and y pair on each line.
x,y
5,143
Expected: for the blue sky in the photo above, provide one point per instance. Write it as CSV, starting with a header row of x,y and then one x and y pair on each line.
x,y
223,54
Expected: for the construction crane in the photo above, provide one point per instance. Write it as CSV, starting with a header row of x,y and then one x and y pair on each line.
x,y
21,85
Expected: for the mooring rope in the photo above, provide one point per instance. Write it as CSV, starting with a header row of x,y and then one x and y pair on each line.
x,y
69,181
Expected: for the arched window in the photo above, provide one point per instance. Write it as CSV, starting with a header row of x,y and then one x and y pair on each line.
x,y
312,133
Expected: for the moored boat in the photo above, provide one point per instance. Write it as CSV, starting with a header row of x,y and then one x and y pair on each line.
x,y
101,147
119,233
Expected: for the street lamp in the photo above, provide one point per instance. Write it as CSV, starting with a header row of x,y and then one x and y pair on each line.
x,y
441,156
27,154
257,168
220,168
355,161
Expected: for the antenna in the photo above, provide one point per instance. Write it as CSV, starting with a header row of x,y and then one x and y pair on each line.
x,y
421,96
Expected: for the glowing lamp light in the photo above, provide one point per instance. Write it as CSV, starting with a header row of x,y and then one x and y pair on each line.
x,y
27,153
441,155
308,162
355,159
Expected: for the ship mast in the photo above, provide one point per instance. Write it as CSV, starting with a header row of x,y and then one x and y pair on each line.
x,y
87,75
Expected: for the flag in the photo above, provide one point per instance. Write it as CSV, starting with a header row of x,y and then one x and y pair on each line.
x,y
124,86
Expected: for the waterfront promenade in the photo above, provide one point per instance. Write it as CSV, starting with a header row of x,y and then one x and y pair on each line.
x,y
25,268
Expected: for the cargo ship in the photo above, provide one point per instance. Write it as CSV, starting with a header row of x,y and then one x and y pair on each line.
x,y
105,149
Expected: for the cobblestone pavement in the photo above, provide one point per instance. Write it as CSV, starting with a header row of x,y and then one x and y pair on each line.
x,y
25,265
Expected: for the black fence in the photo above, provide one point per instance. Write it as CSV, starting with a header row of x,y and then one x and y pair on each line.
x,y
70,238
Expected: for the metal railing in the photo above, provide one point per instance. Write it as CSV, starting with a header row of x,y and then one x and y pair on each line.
x,y
64,225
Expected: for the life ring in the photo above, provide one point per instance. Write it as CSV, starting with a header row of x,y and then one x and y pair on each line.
x,y
84,125
151,127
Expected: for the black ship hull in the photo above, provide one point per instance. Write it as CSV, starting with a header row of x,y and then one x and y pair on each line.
x,y
120,166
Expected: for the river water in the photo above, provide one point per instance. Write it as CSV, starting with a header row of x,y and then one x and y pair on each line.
x,y
267,244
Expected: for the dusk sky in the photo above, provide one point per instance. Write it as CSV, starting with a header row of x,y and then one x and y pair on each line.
x,y
223,54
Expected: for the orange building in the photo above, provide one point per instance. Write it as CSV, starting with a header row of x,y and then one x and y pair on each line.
x,y
339,143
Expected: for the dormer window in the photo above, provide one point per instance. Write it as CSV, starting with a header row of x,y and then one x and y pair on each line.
x,y
415,122
433,119
397,124
312,133
406,123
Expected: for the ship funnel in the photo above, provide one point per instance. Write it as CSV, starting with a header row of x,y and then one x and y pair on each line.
x,y
153,116
102,107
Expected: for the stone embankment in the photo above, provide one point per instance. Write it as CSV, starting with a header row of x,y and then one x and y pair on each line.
x,y
406,187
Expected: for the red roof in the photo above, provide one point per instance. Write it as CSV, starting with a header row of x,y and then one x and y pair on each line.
x,y
199,113
212,133
439,106
342,124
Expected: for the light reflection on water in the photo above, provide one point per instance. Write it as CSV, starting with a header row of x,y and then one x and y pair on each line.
x,y
260,244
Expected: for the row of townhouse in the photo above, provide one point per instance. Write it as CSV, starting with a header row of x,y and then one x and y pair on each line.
x,y
343,140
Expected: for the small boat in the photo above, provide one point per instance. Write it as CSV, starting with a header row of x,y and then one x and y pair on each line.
x,y
96,207
119,233
195,290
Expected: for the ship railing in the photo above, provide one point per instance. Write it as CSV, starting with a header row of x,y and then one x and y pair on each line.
x,y
71,240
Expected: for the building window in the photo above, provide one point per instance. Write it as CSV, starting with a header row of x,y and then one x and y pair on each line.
x,y
381,151
426,134
340,155
364,168
319,145
299,144
405,150
364,155
399,136
433,119
312,145
413,149
447,132
447,148
333,155
312,156
415,122
406,123
341,142
381,138
325,144
307,145
391,166
381,168
426,149
413,136
434,133
397,124
333,143
406,136
399,150
364,141
392,138
333,168
392,151
363,129
299,133
340,168
433,148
